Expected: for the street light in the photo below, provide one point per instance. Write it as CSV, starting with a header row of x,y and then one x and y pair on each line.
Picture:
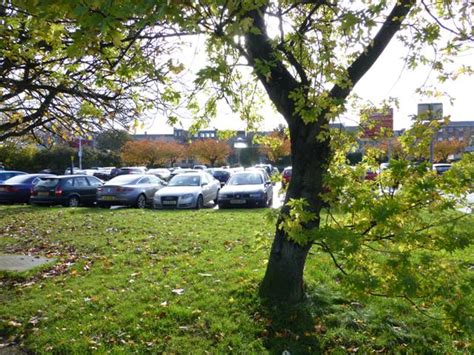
x,y
432,111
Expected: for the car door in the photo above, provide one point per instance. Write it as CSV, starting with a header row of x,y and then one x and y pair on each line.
x,y
155,184
205,188
83,188
145,186
94,183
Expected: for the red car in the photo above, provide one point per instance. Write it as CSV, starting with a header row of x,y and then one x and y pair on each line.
x,y
286,176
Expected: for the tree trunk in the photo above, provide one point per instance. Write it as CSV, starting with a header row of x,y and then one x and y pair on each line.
x,y
283,281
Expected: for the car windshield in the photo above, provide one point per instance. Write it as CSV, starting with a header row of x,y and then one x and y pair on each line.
x,y
185,180
123,179
19,179
246,179
48,182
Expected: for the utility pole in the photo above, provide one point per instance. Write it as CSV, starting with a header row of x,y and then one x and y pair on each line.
x,y
79,153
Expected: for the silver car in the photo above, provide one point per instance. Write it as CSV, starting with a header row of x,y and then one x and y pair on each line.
x,y
130,190
189,190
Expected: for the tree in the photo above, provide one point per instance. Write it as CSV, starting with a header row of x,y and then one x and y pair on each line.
x,y
209,151
151,153
443,149
77,67
307,64
112,140
274,146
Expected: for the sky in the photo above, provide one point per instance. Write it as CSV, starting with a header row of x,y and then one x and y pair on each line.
x,y
387,78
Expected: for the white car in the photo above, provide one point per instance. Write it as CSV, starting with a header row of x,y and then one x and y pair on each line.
x,y
162,173
189,190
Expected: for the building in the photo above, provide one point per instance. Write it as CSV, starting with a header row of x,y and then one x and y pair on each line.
x,y
456,130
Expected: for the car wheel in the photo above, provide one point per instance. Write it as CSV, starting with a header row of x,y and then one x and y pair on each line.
x,y
73,201
141,201
199,202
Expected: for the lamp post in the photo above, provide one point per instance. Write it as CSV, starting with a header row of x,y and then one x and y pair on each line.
x,y
432,111
79,153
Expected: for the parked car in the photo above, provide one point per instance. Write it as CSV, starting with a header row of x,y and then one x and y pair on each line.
x,y
127,170
66,190
188,190
177,171
199,167
441,168
7,174
286,176
104,173
370,175
220,174
129,190
268,168
248,188
162,173
18,188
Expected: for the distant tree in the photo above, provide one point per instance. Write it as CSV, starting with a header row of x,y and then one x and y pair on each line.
x,y
57,158
275,146
151,153
171,152
112,140
209,151
443,149
17,157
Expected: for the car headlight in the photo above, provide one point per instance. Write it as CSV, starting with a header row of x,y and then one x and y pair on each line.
x,y
186,196
256,195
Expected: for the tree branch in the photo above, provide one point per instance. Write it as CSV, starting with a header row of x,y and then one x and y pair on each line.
x,y
370,55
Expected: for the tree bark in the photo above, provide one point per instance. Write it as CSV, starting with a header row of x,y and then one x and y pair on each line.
x,y
310,143
283,280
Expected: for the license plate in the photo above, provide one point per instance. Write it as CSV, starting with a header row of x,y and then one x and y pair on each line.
x,y
43,193
168,202
237,202
108,198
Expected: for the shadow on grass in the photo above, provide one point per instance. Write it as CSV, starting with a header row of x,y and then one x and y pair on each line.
x,y
290,329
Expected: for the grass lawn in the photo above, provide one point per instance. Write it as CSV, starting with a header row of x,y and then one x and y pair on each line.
x,y
184,282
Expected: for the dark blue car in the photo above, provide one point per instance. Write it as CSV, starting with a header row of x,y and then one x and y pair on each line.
x,y
18,188
7,174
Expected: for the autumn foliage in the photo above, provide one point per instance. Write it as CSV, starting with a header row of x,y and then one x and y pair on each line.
x,y
209,151
275,146
443,149
152,153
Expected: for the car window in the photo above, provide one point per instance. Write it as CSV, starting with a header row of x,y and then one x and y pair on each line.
x,y
80,182
123,180
155,180
94,181
48,182
185,180
246,179
144,181
68,183
18,179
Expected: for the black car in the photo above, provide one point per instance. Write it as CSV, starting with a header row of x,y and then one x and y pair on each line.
x,y
220,174
66,190
18,188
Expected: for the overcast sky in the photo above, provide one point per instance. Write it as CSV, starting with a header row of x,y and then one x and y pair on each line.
x,y
387,78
